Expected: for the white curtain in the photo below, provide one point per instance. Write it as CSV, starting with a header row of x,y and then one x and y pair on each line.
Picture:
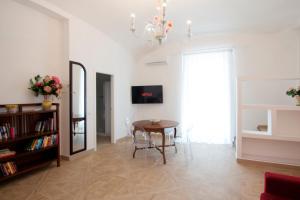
x,y
207,102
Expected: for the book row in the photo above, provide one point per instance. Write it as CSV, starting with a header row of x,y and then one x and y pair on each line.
x,y
41,143
8,168
45,125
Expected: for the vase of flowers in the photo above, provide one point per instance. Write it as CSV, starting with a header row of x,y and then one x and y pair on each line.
x,y
47,86
295,93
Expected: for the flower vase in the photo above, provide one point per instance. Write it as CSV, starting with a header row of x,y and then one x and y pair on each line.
x,y
297,100
47,103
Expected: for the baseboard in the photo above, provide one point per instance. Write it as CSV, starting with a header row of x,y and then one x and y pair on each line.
x,y
101,135
78,155
262,163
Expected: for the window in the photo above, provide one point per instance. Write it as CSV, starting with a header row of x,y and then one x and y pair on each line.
x,y
208,100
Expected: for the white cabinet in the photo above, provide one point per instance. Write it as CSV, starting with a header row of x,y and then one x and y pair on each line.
x,y
280,143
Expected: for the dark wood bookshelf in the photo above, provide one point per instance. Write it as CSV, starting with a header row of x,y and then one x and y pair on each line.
x,y
24,121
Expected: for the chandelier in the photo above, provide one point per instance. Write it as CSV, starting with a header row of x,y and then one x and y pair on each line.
x,y
159,27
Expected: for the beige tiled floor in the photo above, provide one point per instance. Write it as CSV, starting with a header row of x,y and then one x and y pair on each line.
x,y
111,173
103,140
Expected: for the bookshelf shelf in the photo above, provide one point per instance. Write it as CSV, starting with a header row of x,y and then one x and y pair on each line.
x,y
26,137
38,112
27,153
10,114
6,159
33,134
28,112
30,153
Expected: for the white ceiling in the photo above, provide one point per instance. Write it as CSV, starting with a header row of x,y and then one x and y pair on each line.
x,y
208,16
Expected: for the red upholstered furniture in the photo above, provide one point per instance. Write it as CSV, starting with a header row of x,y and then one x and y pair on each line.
x,y
281,187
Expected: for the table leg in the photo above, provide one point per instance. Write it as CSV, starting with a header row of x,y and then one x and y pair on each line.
x,y
174,143
163,145
175,132
135,149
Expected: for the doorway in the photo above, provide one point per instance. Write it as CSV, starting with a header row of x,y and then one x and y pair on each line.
x,y
103,108
209,96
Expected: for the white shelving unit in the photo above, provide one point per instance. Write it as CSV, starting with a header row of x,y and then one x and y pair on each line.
x,y
280,143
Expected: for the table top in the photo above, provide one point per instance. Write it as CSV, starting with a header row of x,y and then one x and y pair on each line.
x,y
148,124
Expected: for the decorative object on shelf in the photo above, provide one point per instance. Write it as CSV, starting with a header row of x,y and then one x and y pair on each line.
x,y
295,93
159,26
47,86
263,128
47,103
11,108
297,100
155,121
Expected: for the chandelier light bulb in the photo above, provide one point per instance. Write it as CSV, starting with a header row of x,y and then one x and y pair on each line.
x,y
164,4
189,28
132,23
132,15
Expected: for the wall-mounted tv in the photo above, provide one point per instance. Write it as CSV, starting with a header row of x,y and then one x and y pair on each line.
x,y
147,94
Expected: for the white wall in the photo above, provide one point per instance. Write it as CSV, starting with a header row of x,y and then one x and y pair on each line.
x,y
98,53
31,43
37,37
274,54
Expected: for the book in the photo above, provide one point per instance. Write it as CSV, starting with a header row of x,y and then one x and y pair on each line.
x,y
7,131
8,168
12,132
44,126
5,153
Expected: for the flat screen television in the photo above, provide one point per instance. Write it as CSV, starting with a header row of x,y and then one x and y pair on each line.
x,y
147,94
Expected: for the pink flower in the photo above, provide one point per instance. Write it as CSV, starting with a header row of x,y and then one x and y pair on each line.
x,y
58,92
56,80
169,24
38,84
47,79
47,89
53,86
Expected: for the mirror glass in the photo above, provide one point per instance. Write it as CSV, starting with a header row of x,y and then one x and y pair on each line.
x,y
78,107
78,91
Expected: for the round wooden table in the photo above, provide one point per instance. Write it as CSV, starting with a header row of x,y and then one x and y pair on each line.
x,y
157,127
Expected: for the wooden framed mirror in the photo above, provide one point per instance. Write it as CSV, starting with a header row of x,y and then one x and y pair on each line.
x,y
77,108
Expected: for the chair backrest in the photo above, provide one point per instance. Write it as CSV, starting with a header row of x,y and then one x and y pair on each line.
x,y
186,132
129,127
